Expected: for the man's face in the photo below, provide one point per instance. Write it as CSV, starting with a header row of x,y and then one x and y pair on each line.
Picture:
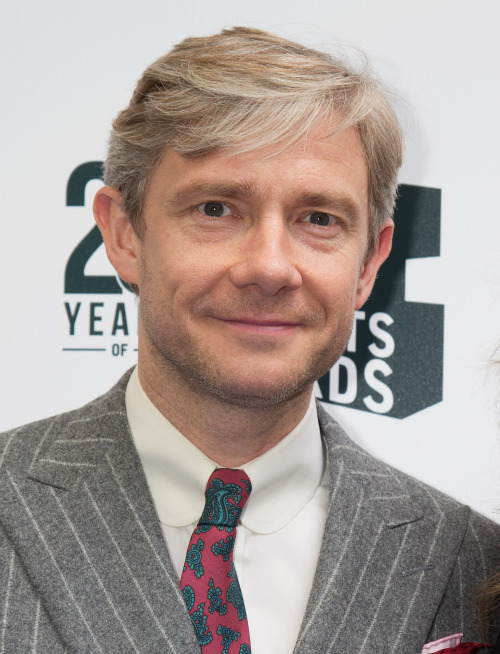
x,y
251,267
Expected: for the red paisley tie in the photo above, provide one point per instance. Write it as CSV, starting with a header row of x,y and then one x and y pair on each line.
x,y
209,582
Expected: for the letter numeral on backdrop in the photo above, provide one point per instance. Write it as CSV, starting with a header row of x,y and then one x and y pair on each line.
x,y
75,279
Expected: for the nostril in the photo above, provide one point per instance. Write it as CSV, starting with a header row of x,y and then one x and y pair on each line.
x,y
269,274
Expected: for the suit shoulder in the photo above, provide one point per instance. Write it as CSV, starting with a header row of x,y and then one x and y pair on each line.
x,y
19,446
382,480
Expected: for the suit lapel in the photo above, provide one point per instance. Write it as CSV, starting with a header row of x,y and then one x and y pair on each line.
x,y
385,560
91,542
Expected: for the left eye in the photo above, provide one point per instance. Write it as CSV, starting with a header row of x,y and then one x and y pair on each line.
x,y
214,209
320,218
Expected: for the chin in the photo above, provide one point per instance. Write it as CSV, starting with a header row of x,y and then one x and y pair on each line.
x,y
256,393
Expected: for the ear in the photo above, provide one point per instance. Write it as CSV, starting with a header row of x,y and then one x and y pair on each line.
x,y
121,242
369,270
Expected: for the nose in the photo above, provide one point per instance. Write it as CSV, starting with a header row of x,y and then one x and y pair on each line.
x,y
266,260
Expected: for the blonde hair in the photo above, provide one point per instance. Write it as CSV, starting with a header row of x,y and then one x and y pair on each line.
x,y
241,90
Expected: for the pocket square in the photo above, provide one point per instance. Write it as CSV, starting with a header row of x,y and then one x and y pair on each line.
x,y
452,645
442,643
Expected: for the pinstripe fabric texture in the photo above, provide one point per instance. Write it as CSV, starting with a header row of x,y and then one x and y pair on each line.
x,y
84,568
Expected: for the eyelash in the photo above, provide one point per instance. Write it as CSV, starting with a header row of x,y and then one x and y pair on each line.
x,y
214,202
332,219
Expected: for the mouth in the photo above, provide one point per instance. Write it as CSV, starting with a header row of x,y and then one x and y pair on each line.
x,y
260,326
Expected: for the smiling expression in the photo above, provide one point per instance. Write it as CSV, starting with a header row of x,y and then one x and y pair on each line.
x,y
251,266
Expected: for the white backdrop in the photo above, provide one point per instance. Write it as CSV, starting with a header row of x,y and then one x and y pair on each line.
x,y
67,68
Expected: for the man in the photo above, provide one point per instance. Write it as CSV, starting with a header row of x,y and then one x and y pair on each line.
x,y
250,189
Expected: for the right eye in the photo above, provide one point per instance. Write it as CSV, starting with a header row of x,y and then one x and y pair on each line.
x,y
214,209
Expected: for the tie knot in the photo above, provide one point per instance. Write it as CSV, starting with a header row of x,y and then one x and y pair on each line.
x,y
226,494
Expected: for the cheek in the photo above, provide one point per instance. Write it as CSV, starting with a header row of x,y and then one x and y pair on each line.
x,y
177,282
334,285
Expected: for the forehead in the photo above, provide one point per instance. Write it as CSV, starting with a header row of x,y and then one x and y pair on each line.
x,y
317,165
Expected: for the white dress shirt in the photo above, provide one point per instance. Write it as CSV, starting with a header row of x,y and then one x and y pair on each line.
x,y
279,538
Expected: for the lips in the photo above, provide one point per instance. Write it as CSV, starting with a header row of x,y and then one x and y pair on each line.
x,y
275,314
262,322
251,326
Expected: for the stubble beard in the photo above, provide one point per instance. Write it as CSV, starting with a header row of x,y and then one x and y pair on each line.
x,y
180,362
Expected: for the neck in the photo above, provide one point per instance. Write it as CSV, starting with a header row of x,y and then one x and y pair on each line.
x,y
230,434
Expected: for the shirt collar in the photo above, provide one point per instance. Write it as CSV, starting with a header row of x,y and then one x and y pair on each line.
x,y
284,478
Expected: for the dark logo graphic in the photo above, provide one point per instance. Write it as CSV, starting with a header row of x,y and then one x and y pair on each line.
x,y
393,364
75,279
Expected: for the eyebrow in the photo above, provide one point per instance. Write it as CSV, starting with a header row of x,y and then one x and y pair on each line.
x,y
245,191
194,192
336,201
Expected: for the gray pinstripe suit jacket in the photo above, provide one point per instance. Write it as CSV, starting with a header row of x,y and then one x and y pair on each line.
x,y
84,568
